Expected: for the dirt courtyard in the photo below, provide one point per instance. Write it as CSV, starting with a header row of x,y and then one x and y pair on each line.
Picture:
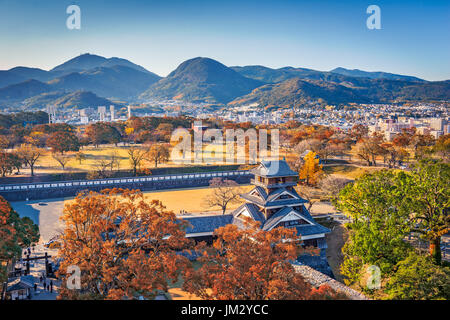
x,y
46,213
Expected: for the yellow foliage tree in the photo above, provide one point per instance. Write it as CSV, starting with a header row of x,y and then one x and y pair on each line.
x,y
129,131
311,169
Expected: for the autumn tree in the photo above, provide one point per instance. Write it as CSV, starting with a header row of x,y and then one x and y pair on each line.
x,y
442,147
114,160
136,156
359,131
62,159
6,163
80,156
337,149
37,138
17,160
124,246
404,138
30,154
102,165
308,145
310,194
158,153
4,142
249,264
224,192
332,185
393,154
369,148
311,169
63,141
422,144
163,132
103,132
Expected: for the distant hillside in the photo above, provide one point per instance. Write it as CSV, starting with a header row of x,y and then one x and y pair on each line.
x,y
23,90
33,73
42,100
269,75
81,99
118,82
8,78
375,75
296,92
112,77
437,90
89,61
201,80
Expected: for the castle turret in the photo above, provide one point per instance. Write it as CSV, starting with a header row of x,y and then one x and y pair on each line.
x,y
275,202
274,174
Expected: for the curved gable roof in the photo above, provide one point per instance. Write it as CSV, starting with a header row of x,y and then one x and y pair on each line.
x,y
278,168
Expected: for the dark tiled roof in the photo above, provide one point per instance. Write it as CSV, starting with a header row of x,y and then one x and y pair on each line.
x,y
285,202
276,192
307,229
303,230
207,223
278,168
275,218
261,191
253,210
280,214
21,283
270,200
306,214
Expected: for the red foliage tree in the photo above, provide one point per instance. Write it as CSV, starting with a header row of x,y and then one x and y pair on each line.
x,y
124,246
249,264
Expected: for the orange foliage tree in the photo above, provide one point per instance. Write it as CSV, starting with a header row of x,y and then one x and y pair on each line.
x,y
250,264
124,246
311,170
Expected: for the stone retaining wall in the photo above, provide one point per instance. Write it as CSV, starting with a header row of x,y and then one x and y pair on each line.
x,y
317,279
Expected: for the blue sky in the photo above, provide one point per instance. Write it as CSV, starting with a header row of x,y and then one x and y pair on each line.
x,y
160,34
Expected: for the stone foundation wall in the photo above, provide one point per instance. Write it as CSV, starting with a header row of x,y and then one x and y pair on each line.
x,y
317,279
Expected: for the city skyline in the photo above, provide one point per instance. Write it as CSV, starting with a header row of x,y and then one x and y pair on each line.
x,y
160,35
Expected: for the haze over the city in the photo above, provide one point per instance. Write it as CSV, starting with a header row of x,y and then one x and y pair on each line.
x,y
159,35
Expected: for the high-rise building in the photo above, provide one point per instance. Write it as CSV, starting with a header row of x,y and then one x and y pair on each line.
x,y
129,112
437,124
111,110
102,113
51,110
84,119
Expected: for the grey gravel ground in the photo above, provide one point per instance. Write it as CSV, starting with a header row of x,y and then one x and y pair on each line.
x,y
44,213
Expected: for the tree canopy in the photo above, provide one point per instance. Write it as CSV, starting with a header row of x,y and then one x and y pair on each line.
x,y
251,264
15,233
124,246
384,208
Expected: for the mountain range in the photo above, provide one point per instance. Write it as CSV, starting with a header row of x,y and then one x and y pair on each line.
x,y
90,80
374,75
